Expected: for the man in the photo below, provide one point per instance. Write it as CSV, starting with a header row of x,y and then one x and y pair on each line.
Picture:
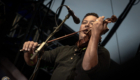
x,y
83,64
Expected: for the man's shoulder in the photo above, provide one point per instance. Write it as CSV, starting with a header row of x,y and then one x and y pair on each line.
x,y
103,50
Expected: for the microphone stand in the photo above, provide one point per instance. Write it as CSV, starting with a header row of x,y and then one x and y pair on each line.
x,y
43,44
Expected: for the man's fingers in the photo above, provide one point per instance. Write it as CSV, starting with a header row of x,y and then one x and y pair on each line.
x,y
34,46
30,46
24,46
105,28
105,25
101,18
27,45
107,21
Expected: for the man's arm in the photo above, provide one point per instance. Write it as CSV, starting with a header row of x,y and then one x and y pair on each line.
x,y
90,59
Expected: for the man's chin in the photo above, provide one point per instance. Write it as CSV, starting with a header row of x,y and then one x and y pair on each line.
x,y
82,36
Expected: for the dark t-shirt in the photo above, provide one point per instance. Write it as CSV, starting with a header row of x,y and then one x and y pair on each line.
x,y
68,63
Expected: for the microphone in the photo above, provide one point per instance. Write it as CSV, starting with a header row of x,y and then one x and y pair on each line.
x,y
76,19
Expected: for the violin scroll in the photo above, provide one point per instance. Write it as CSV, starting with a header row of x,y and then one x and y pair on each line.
x,y
112,19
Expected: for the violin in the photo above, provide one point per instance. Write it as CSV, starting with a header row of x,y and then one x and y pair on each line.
x,y
84,42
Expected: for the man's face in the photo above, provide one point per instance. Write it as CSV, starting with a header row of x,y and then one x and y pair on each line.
x,y
87,22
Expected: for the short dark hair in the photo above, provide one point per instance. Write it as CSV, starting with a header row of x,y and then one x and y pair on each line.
x,y
93,14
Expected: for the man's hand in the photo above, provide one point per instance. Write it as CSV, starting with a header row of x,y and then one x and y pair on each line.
x,y
30,46
99,27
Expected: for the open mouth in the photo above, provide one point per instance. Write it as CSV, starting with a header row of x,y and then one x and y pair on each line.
x,y
85,31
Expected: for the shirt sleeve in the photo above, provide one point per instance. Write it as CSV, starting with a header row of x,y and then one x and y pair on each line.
x,y
50,56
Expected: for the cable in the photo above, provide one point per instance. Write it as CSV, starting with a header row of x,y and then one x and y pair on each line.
x,y
112,7
56,13
136,2
36,68
118,47
116,34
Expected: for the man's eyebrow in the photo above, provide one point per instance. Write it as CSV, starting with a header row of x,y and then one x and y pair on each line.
x,y
87,20
84,20
92,21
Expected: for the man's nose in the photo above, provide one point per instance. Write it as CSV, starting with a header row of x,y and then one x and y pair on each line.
x,y
87,25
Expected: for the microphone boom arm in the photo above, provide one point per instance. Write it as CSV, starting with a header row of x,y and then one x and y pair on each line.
x,y
44,43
